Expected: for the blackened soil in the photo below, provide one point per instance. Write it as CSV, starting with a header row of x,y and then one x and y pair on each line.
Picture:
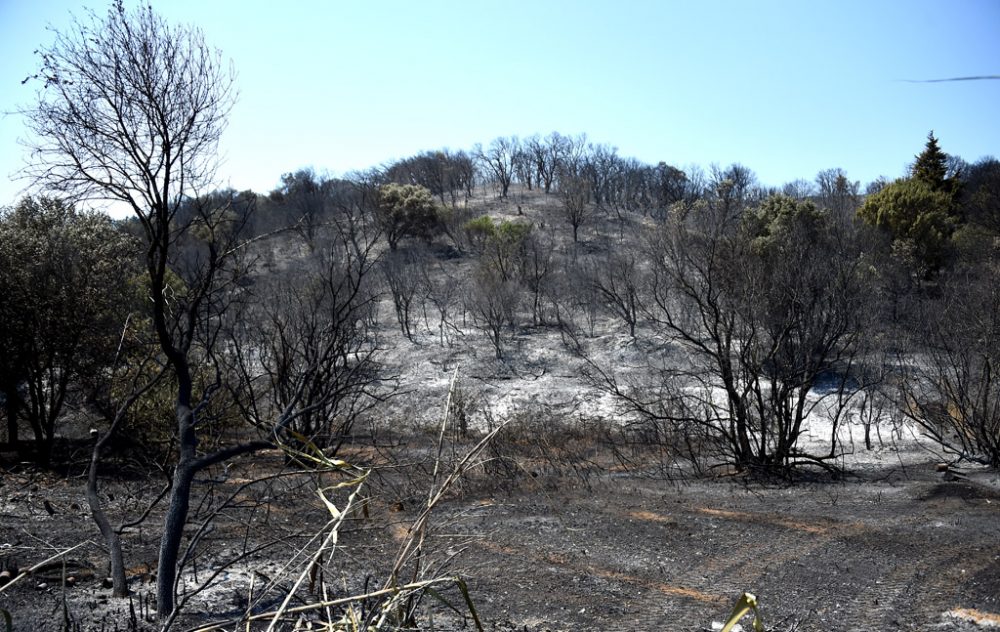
x,y
895,549
638,554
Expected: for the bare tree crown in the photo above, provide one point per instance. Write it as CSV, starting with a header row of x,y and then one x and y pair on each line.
x,y
129,109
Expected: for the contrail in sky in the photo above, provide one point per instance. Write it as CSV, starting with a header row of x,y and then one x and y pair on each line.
x,y
979,78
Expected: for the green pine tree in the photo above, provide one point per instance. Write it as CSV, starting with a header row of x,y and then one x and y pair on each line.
x,y
931,168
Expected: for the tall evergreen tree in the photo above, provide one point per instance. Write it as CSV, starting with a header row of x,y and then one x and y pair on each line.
x,y
931,168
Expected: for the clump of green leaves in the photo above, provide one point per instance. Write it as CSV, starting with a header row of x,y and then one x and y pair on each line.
x,y
500,244
918,218
919,213
780,220
483,230
63,281
406,210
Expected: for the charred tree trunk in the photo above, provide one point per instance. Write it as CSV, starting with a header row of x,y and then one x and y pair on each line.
x,y
111,537
11,400
170,543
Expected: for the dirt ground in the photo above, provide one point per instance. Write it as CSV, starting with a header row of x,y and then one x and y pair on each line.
x,y
892,547
891,551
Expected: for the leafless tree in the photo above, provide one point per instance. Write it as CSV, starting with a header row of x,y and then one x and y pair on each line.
x,y
575,193
838,194
763,304
305,196
524,167
443,291
441,172
461,175
143,376
576,303
498,161
492,301
537,271
599,165
401,271
304,349
951,385
734,188
535,154
131,109
615,277
631,190
980,195
425,169
671,185
548,155
355,200
799,189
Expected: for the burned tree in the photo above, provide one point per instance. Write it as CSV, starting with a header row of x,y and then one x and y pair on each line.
x,y
305,350
575,194
498,161
951,387
130,109
761,304
492,301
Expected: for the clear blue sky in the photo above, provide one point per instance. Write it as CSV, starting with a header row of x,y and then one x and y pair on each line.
x,y
786,88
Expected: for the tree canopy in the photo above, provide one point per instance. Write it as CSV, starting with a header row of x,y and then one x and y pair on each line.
x,y
405,210
779,221
919,213
64,278
918,218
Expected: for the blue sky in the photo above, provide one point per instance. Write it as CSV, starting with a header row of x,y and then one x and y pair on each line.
x,y
786,88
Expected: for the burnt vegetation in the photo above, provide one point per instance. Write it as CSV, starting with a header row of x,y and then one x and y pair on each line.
x,y
216,328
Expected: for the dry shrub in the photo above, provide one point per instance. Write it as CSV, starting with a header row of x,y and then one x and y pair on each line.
x,y
539,448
